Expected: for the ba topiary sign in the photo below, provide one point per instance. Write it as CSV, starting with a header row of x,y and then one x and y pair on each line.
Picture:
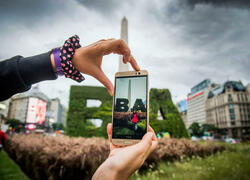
x,y
79,114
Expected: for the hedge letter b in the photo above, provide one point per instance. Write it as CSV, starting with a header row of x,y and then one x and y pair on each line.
x,y
121,105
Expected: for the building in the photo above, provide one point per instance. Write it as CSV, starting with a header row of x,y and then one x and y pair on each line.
x,y
58,111
29,107
248,87
4,108
228,107
182,108
196,102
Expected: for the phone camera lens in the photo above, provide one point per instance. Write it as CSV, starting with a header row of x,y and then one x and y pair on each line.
x,y
139,73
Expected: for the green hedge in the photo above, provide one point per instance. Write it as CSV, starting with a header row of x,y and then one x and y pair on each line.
x,y
79,113
160,100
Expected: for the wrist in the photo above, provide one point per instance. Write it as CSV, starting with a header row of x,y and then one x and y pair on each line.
x,y
67,52
57,61
108,171
53,62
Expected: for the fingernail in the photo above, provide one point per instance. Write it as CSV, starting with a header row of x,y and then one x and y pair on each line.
x,y
111,93
138,68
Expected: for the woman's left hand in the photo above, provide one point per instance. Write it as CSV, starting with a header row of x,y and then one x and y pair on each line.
x,y
88,60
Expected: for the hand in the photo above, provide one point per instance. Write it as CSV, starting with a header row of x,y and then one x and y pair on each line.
x,y
88,60
123,161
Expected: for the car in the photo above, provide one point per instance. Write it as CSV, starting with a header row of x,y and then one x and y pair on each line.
x,y
39,131
232,141
194,138
207,138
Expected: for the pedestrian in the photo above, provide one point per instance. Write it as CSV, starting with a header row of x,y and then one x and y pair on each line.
x,y
3,138
135,119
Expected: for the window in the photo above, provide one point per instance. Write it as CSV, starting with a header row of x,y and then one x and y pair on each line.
x,y
231,111
232,123
232,116
230,99
231,106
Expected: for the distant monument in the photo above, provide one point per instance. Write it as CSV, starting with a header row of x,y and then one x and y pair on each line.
x,y
129,93
124,37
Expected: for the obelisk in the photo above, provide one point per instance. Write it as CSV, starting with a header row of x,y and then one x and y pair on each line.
x,y
124,37
129,93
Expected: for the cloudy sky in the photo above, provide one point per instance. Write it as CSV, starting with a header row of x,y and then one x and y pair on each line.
x,y
180,42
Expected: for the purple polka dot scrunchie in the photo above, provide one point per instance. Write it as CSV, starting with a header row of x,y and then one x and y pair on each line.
x,y
66,54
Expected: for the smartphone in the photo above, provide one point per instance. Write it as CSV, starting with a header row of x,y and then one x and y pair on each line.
x,y
130,112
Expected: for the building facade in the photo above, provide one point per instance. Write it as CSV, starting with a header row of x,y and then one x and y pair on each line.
x,y
58,111
29,107
4,108
182,108
196,102
228,107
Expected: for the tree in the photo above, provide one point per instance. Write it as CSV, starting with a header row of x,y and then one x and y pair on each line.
x,y
195,129
209,128
57,126
14,123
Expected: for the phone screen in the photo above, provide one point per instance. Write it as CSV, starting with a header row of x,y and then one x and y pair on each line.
x,y
130,107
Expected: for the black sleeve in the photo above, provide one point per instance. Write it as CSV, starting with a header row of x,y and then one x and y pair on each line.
x,y
17,74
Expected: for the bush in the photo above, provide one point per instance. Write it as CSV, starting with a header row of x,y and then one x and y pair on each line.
x,y
61,157
46,157
177,149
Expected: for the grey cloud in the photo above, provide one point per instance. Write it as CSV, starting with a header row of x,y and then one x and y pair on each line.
x,y
207,28
102,6
106,7
218,39
204,41
242,4
29,11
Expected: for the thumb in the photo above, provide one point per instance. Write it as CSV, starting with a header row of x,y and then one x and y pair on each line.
x,y
109,131
146,141
101,76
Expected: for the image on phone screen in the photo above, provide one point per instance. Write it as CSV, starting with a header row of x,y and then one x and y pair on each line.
x,y
130,107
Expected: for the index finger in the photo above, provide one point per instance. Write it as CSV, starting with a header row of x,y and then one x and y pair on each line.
x,y
118,46
134,63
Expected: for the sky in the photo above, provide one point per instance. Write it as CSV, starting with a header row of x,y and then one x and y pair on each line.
x,y
179,42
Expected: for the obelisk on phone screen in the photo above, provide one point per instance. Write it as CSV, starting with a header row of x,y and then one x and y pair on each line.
x,y
124,37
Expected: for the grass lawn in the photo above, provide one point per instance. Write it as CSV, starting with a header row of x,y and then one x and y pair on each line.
x,y
9,170
232,164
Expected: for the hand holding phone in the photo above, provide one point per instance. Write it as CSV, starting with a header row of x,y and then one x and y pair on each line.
x,y
123,161
130,107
